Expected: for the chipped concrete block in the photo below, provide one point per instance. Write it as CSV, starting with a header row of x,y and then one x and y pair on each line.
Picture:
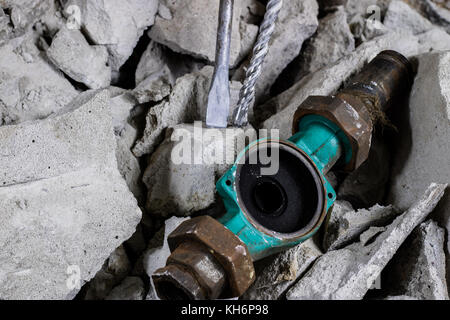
x,y
185,104
153,88
366,186
73,55
296,22
418,268
114,270
192,28
346,225
153,62
182,172
348,273
30,89
437,11
423,142
401,16
65,207
131,288
332,41
158,251
116,24
329,80
282,272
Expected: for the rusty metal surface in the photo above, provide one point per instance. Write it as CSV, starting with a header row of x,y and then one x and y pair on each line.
x,y
357,107
175,282
203,265
224,245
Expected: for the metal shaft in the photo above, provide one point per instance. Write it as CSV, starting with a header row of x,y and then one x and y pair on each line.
x,y
247,93
219,93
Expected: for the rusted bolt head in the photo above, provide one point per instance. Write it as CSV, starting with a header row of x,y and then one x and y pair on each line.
x,y
175,282
350,115
203,265
224,245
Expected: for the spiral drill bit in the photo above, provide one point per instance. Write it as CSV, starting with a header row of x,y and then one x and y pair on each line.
x,y
247,93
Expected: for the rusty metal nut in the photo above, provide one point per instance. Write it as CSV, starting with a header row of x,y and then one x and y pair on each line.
x,y
175,282
350,115
224,245
200,262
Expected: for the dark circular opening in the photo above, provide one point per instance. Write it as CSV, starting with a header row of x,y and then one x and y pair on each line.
x,y
169,291
228,182
270,197
288,200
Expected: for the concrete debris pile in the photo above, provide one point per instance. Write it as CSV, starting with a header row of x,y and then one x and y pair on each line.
x,y
98,98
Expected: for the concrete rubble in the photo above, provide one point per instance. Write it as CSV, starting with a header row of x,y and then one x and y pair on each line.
x,y
74,205
346,225
418,269
426,138
104,149
283,271
348,273
182,172
131,288
73,55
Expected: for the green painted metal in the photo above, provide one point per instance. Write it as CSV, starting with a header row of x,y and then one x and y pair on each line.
x,y
324,143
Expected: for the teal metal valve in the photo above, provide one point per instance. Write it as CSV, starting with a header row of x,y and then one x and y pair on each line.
x,y
323,143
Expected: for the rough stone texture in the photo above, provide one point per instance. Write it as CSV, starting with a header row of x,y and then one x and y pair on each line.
x,y
114,270
418,268
437,11
348,273
29,87
330,79
72,54
182,172
366,186
296,22
186,103
191,28
346,224
284,270
332,41
401,16
424,138
131,288
158,251
117,24
63,201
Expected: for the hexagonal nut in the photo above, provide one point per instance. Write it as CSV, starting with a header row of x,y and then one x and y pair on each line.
x,y
177,283
224,245
350,115
207,270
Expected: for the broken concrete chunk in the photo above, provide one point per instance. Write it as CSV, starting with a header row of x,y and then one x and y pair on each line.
x,y
424,137
296,22
366,186
154,88
332,41
346,224
131,288
348,273
186,103
401,16
72,54
418,268
284,270
30,90
152,62
328,80
116,24
64,202
182,171
437,11
192,28
114,270
158,251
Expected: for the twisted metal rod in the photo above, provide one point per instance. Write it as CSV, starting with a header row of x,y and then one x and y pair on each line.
x,y
247,93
